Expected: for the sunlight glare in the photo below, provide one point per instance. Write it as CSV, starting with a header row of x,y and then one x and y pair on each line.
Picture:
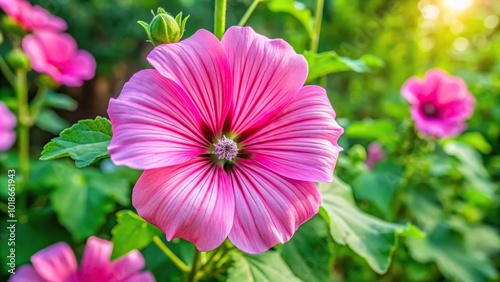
x,y
459,5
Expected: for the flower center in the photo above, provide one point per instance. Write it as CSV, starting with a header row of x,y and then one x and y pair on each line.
x,y
225,149
430,110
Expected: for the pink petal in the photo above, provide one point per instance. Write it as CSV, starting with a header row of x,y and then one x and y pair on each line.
x,y
96,265
301,142
26,273
154,124
269,207
141,277
412,90
7,118
199,65
55,263
36,53
59,48
127,266
193,201
267,75
437,127
39,18
81,67
7,139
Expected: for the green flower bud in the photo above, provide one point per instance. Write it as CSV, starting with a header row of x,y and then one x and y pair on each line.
x,y
357,153
164,28
18,60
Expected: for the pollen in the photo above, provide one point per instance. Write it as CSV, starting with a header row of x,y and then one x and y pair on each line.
x,y
225,149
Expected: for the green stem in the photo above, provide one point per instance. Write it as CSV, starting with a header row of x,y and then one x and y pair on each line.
x,y
37,103
317,25
21,89
249,12
220,18
175,260
7,72
194,266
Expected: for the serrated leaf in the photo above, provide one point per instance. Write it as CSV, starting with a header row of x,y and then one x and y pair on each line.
x,y
85,142
131,232
265,267
309,253
322,64
86,197
454,260
372,238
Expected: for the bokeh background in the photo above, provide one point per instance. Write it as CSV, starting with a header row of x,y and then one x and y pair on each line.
x,y
450,192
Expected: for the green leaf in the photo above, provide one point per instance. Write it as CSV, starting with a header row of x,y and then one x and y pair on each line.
x,y
379,186
382,130
85,142
293,8
477,141
266,267
309,253
453,259
50,121
131,232
326,63
60,101
472,168
86,198
372,238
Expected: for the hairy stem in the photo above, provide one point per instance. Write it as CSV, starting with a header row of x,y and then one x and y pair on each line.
x,y
220,18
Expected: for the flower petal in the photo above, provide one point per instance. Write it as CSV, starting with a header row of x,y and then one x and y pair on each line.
x,y
154,124
81,67
267,74
26,273
300,143
55,263
199,65
269,207
127,266
96,265
141,277
193,201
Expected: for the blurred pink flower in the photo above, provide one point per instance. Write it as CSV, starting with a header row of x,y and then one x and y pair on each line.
x,y
375,155
32,17
57,263
7,124
57,55
230,140
440,103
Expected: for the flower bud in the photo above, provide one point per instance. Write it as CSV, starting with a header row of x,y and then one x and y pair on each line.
x,y
18,60
164,28
357,153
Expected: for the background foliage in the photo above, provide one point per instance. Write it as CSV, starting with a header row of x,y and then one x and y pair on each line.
x,y
448,188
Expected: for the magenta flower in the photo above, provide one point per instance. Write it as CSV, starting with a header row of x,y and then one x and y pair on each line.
x,y
7,125
230,140
440,104
375,155
57,263
32,17
57,55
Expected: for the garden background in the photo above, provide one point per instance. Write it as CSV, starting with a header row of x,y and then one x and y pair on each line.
x,y
448,188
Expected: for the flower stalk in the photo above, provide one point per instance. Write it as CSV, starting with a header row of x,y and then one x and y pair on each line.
x,y
249,12
175,259
220,18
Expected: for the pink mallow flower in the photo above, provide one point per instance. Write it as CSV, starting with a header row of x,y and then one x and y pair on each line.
x,y
57,263
32,17
230,140
375,155
57,55
440,103
7,125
